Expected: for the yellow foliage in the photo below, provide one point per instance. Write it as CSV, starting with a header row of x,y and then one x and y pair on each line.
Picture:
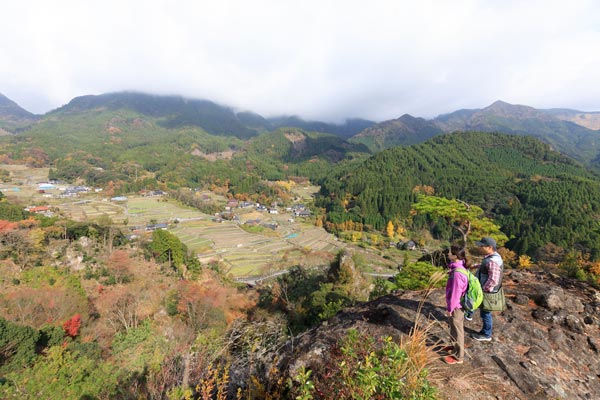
x,y
525,261
595,268
389,230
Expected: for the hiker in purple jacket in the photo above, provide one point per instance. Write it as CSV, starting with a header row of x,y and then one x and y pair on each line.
x,y
455,289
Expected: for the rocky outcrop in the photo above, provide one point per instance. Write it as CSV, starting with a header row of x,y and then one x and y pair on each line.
x,y
545,345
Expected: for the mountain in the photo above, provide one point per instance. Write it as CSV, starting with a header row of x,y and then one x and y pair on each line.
x,y
172,112
537,195
12,116
563,129
567,137
215,119
405,130
349,128
590,120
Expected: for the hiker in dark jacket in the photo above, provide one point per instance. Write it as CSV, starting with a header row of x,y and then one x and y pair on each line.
x,y
490,275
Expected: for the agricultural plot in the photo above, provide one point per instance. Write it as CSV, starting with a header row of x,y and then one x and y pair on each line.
x,y
244,253
142,210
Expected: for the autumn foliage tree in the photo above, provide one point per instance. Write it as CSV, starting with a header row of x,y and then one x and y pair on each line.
x,y
72,325
389,230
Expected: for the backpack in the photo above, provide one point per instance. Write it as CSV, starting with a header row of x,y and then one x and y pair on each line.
x,y
473,296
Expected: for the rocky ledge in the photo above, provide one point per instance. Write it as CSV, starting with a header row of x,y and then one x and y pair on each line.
x,y
545,345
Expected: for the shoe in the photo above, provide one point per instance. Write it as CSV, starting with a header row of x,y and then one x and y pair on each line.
x,y
447,349
468,317
452,360
481,337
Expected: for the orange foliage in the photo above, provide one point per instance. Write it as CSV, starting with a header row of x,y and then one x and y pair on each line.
x,y
210,293
6,226
72,325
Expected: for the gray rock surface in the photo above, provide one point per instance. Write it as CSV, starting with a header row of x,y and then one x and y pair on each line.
x,y
541,349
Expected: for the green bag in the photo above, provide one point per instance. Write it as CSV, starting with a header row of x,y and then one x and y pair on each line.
x,y
473,296
494,301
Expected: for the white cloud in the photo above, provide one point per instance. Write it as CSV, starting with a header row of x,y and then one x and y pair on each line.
x,y
322,60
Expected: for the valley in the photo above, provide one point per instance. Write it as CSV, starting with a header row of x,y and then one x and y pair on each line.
x,y
248,243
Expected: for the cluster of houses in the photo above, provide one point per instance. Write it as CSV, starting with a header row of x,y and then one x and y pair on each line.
x,y
65,191
299,210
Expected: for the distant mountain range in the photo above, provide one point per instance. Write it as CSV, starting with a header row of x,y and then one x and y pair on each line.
x,y
572,132
215,119
562,129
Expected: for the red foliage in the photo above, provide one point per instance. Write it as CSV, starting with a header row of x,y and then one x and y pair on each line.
x,y
6,226
72,325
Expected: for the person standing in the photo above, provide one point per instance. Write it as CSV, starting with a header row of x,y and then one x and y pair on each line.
x,y
455,289
490,274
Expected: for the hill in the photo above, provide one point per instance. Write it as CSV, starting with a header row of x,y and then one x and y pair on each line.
x,y
590,120
123,137
537,195
405,130
170,112
13,116
349,128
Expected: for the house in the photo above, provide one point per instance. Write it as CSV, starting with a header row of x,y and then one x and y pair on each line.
x,y
273,211
46,186
302,213
232,203
38,209
154,227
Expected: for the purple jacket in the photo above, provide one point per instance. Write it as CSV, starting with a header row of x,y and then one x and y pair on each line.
x,y
456,286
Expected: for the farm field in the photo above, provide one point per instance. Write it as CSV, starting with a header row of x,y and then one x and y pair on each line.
x,y
244,254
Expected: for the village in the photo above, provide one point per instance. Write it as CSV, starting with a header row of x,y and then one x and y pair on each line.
x,y
248,238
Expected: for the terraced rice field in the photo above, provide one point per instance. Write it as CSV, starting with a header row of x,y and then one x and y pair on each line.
x,y
245,253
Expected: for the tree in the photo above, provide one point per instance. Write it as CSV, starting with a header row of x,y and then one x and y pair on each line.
x,y
119,264
166,247
465,218
72,325
389,229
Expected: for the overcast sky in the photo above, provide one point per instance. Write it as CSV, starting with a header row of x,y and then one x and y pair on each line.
x,y
322,59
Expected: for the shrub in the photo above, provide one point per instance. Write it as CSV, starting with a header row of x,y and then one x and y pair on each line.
x,y
362,367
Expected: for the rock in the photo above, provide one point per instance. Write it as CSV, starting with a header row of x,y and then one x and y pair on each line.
x,y
573,304
574,323
553,299
593,344
521,299
557,337
543,315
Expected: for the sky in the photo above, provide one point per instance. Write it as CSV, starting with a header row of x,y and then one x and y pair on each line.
x,y
321,60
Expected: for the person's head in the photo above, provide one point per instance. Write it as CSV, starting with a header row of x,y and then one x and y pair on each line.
x,y
487,245
457,252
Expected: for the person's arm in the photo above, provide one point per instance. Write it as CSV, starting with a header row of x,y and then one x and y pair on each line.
x,y
493,277
457,289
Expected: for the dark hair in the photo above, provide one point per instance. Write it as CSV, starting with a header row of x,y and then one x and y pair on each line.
x,y
460,253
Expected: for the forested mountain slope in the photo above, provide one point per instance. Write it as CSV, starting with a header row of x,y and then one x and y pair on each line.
x,y
567,137
537,195
405,130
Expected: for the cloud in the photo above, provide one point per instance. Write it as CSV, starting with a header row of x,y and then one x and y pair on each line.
x,y
322,60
